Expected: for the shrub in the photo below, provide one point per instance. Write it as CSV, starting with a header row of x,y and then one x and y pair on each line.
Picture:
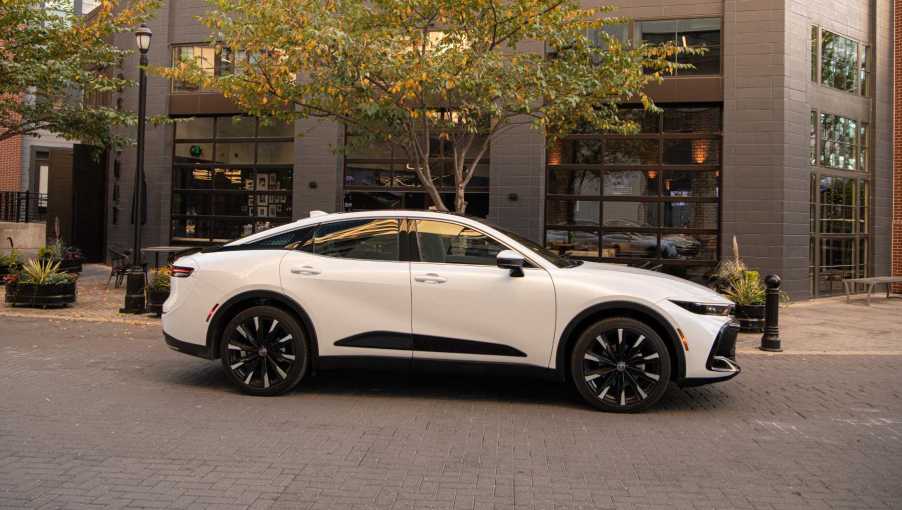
x,y
10,260
746,289
160,280
43,272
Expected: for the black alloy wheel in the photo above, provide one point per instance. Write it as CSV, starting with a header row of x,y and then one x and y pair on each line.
x,y
620,365
264,351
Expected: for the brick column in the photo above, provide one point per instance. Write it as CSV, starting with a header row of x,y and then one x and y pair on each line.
x,y
897,146
11,164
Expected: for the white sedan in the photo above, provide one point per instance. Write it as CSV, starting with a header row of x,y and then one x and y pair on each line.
x,y
425,288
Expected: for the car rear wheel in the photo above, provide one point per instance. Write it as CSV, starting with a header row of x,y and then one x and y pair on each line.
x,y
264,351
620,365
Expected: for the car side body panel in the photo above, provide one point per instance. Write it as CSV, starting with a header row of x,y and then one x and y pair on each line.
x,y
217,277
358,307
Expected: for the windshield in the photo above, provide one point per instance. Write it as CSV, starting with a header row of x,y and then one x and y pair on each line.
x,y
538,249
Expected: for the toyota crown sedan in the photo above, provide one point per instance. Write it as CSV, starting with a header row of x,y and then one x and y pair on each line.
x,y
416,286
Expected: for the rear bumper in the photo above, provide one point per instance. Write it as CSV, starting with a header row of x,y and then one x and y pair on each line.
x,y
201,351
721,359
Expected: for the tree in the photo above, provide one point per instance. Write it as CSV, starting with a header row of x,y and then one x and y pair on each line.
x,y
406,72
54,61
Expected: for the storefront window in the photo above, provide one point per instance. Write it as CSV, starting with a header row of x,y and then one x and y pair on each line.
x,y
652,198
378,176
231,178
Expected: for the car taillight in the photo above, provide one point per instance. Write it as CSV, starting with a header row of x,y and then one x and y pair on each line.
x,y
181,271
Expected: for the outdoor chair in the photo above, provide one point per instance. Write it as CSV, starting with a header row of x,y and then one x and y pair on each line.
x,y
120,264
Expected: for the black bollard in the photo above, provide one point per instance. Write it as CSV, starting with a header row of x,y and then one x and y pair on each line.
x,y
770,340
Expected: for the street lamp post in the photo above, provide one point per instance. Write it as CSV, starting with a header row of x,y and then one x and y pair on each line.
x,y
135,278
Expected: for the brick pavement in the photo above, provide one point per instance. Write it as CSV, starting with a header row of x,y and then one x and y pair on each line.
x,y
104,416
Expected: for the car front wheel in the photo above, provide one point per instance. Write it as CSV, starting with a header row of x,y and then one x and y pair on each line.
x,y
263,351
620,365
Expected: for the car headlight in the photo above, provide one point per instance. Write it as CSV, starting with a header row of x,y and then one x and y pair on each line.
x,y
704,308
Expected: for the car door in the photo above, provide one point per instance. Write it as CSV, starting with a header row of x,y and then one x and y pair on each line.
x,y
467,308
349,277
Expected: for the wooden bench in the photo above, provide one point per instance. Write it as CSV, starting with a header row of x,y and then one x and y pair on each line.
x,y
851,285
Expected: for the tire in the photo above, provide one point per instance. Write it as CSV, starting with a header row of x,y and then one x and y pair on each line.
x,y
620,365
264,351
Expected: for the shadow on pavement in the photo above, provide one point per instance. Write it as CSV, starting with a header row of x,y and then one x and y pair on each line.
x,y
439,385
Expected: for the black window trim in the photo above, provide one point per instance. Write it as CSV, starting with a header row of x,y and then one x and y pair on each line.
x,y
408,248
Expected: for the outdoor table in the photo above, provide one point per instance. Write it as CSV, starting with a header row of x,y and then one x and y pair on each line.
x,y
157,250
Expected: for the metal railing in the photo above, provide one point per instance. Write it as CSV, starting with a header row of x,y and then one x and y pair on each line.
x,y
23,206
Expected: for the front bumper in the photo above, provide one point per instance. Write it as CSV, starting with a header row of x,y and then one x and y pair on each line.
x,y
721,359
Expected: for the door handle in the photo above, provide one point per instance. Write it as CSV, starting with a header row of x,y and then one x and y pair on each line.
x,y
430,278
305,271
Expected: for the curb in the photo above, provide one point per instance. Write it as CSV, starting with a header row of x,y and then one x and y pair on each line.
x,y
112,320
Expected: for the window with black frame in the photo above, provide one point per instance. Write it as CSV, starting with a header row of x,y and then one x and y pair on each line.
x,y
839,62
652,198
232,177
688,33
840,209
378,176
210,60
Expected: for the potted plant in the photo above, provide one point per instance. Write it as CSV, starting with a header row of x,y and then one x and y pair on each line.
x,y
69,257
158,290
747,291
40,283
9,264
72,260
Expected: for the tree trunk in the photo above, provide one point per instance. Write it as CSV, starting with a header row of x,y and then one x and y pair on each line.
x,y
425,177
460,202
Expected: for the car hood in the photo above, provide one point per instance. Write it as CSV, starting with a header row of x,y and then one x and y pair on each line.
x,y
652,285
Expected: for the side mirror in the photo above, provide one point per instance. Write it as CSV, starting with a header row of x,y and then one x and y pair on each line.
x,y
509,259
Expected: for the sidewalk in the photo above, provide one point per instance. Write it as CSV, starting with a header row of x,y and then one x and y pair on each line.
x,y
832,326
824,326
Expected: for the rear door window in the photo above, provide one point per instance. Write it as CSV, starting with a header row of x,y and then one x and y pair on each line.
x,y
365,239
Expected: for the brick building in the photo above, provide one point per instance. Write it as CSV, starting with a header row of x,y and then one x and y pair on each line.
x,y
781,137
11,164
897,145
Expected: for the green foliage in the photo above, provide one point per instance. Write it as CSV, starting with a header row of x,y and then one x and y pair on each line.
x,y
746,289
728,270
52,251
43,272
59,251
407,72
54,64
161,279
10,259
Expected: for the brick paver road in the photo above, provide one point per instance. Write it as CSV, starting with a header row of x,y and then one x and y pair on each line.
x,y
97,415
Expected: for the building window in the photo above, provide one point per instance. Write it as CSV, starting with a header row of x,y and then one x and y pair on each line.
x,y
652,198
232,176
377,176
843,142
839,62
213,61
693,33
839,232
812,139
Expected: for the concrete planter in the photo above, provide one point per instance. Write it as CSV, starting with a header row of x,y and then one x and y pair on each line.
x,y
155,300
40,296
750,317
